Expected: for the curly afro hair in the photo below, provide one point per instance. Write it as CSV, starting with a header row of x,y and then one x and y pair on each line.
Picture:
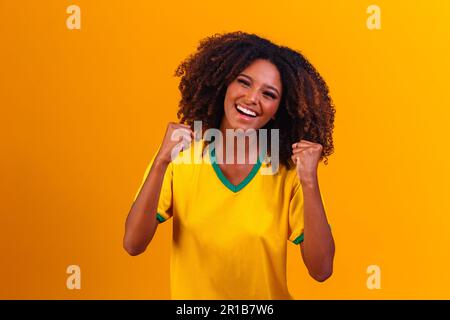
x,y
305,112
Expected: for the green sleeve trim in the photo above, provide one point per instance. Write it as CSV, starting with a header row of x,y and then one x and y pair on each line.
x,y
299,239
160,218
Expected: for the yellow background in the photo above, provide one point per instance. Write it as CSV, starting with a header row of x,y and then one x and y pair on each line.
x,y
82,112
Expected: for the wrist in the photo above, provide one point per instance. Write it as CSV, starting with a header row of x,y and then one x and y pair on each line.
x,y
309,182
160,161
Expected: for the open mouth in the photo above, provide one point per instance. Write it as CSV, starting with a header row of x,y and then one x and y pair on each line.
x,y
245,111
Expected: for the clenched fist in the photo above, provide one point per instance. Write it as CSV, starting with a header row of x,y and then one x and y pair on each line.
x,y
178,137
306,156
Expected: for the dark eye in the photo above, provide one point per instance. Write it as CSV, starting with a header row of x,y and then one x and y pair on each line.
x,y
243,82
270,95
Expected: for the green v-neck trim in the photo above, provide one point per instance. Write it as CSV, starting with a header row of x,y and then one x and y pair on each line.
x,y
225,181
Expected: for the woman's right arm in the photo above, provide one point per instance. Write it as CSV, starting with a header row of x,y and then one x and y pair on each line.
x,y
141,222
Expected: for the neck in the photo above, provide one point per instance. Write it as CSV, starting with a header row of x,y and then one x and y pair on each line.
x,y
248,145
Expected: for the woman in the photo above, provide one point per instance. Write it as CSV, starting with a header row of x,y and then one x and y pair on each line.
x,y
230,223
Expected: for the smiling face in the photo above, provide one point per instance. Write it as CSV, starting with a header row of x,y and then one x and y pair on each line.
x,y
253,98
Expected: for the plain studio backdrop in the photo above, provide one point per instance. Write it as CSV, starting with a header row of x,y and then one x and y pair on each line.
x,y
83,110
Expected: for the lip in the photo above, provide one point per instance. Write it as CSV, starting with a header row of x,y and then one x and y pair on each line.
x,y
245,117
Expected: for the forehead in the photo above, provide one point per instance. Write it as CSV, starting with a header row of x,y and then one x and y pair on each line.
x,y
263,71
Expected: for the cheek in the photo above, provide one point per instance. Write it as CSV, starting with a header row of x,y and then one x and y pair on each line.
x,y
271,108
233,91
231,96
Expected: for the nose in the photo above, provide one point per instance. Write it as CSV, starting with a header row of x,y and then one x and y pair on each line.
x,y
251,97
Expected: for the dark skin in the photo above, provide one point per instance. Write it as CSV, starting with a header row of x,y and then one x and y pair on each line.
x,y
258,88
141,222
306,109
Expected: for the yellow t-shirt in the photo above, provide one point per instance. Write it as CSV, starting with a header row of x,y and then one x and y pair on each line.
x,y
229,241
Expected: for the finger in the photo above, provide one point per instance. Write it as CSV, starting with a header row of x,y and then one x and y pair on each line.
x,y
184,128
185,131
301,147
180,134
305,143
314,145
186,143
300,144
186,139
177,149
298,150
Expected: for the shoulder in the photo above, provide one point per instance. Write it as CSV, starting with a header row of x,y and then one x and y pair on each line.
x,y
188,159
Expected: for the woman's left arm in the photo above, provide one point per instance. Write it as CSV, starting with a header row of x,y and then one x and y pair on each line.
x,y
317,248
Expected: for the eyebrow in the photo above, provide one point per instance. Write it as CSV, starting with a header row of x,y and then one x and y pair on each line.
x,y
268,86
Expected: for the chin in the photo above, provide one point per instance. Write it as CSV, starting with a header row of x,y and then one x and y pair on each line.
x,y
244,126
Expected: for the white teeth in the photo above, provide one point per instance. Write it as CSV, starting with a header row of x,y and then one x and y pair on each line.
x,y
246,111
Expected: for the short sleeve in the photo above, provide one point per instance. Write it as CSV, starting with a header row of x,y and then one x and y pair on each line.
x,y
164,211
295,216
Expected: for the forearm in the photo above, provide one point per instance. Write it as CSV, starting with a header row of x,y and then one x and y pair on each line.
x,y
318,244
141,222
